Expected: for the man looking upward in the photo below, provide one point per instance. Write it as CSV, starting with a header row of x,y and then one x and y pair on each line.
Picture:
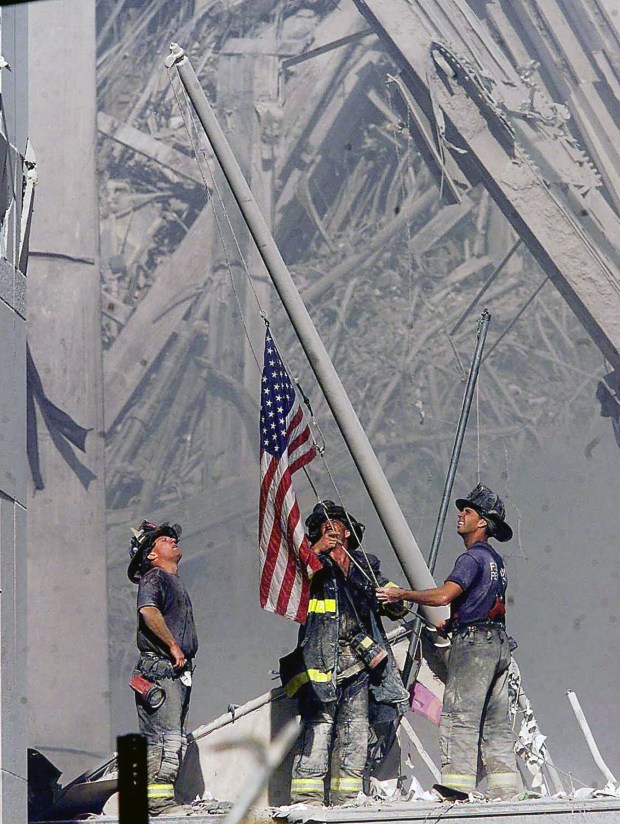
x,y
167,643
476,717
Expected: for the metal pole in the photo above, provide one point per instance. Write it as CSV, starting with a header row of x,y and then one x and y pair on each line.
x,y
483,328
474,369
587,733
384,500
270,761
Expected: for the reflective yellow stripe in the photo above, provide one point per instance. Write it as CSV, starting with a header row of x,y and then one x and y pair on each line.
x,y
367,642
503,779
346,784
160,791
307,784
292,686
322,605
466,783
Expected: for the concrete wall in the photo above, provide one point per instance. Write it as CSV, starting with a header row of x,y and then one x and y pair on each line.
x,y
67,617
13,467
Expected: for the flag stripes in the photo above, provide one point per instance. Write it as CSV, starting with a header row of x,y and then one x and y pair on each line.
x,y
286,559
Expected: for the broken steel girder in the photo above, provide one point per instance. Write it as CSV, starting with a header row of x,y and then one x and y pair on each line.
x,y
487,149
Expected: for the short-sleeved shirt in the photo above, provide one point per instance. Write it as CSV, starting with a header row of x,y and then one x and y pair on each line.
x,y
481,574
161,589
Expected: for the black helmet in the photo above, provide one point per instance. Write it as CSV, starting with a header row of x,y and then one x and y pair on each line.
x,y
328,510
490,507
142,540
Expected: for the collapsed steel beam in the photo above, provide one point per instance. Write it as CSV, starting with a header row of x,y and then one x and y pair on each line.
x,y
488,151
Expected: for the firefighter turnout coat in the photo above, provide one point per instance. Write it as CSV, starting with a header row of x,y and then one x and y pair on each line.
x,y
311,669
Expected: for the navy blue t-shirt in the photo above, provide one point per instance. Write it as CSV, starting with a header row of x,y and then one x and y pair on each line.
x,y
481,574
161,589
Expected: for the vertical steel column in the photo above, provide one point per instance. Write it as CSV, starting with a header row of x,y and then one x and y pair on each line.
x,y
371,472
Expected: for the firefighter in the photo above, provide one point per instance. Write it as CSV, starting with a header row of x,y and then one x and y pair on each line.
x,y
342,654
475,721
167,643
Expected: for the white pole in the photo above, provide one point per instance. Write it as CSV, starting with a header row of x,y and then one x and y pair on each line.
x,y
399,534
587,732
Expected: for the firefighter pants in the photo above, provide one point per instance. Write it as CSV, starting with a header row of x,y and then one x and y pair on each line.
x,y
338,729
164,730
475,723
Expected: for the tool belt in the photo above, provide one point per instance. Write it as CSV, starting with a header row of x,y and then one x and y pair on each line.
x,y
156,667
486,623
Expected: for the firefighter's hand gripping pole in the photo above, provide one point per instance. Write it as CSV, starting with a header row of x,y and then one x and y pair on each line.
x,y
397,530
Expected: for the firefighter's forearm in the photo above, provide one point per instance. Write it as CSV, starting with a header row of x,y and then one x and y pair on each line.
x,y
155,622
436,597
428,597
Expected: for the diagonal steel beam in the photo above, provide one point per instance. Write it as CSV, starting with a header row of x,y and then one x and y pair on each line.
x,y
589,282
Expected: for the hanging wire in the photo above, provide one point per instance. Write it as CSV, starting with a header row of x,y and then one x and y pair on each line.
x,y
520,554
321,453
187,110
319,448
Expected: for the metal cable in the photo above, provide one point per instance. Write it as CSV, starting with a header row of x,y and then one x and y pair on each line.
x,y
320,450
218,224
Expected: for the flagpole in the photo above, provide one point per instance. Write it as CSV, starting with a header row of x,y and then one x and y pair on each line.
x,y
474,369
396,527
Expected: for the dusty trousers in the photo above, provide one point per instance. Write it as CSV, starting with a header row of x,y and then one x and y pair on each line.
x,y
338,729
475,723
164,730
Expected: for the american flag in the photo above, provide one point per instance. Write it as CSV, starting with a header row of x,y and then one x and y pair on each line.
x,y
286,560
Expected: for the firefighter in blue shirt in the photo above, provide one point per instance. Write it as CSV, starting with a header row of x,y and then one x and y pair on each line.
x,y
476,718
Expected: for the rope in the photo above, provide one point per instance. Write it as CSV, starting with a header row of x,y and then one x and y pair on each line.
x,y
311,420
217,220
320,449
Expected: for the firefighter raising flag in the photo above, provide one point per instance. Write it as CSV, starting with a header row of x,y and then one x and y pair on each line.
x,y
286,560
